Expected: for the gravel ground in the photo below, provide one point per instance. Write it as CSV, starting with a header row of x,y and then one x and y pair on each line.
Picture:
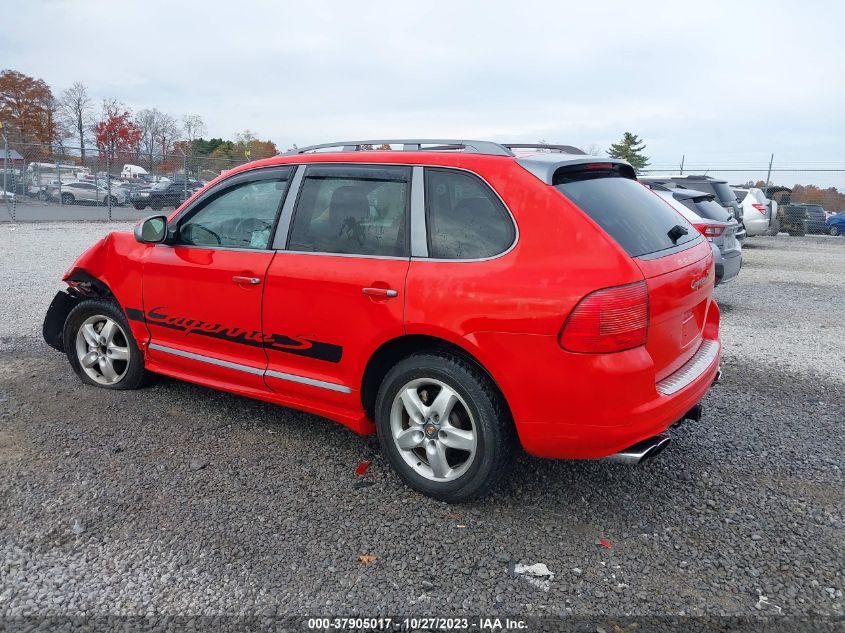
x,y
176,499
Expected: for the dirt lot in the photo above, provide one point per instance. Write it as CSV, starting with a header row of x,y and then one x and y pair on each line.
x,y
176,499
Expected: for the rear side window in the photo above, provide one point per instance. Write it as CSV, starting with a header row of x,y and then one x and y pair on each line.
x,y
353,209
709,209
740,195
465,219
632,215
724,193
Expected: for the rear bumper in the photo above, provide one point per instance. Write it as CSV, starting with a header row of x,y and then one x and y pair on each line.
x,y
755,226
653,417
578,406
728,266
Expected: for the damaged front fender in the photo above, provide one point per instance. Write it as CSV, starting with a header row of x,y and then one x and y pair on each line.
x,y
54,321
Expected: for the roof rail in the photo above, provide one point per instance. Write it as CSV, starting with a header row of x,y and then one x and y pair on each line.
x,y
563,149
414,145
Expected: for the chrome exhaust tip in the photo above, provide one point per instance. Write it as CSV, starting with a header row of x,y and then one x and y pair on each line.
x,y
641,451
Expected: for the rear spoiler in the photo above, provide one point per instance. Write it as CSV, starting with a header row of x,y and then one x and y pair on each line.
x,y
544,166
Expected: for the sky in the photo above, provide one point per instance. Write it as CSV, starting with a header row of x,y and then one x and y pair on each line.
x,y
724,84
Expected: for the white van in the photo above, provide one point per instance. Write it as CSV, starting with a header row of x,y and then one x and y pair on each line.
x,y
132,171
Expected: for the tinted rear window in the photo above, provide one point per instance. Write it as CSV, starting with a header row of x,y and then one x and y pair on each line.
x,y
631,214
740,195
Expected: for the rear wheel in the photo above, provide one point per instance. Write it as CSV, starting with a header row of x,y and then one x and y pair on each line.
x,y
100,346
139,207
834,231
444,427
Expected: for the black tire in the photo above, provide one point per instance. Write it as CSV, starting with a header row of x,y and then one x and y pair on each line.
x,y
834,231
67,198
156,206
496,438
140,207
134,375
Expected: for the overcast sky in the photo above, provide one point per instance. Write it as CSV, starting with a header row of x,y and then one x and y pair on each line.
x,y
724,83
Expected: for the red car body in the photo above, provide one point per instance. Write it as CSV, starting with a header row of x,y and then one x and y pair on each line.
x,y
308,318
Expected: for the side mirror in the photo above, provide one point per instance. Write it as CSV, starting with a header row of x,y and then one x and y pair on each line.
x,y
151,230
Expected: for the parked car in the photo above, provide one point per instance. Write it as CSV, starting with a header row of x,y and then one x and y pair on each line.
x,y
84,193
160,195
133,171
713,222
719,188
785,216
816,218
756,210
453,302
835,224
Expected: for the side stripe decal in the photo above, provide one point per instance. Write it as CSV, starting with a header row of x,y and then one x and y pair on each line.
x,y
319,350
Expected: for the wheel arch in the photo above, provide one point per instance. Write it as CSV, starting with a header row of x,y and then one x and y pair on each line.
x,y
392,351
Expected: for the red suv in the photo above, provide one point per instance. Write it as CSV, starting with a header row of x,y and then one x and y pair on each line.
x,y
452,296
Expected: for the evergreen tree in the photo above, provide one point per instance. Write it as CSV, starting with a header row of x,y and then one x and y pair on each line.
x,y
630,148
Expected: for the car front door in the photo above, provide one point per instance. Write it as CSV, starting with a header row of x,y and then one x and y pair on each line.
x,y
203,288
335,289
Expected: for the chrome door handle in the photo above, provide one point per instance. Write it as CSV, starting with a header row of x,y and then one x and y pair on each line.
x,y
240,279
379,292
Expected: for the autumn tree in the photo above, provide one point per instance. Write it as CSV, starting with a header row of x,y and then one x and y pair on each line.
x,y
116,132
27,108
76,114
630,148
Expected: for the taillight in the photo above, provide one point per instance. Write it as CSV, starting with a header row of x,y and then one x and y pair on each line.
x,y
760,207
608,320
710,230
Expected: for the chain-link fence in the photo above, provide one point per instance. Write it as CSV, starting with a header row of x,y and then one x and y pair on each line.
x,y
66,175
51,175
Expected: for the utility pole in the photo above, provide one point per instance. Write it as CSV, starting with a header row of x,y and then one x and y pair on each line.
x,y
682,164
108,183
5,162
769,173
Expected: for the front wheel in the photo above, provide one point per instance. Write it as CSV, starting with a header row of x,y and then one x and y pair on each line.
x,y
834,231
100,346
67,198
444,427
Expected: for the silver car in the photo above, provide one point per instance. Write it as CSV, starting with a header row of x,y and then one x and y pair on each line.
x,y
702,211
85,193
756,210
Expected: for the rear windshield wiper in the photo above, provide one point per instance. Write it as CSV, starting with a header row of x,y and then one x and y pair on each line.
x,y
676,233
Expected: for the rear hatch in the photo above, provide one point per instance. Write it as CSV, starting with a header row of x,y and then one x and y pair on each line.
x,y
675,259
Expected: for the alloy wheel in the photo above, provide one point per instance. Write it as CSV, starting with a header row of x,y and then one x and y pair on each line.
x,y
433,429
102,349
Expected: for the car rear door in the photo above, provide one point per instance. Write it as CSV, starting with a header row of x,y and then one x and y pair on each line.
x,y
203,289
335,288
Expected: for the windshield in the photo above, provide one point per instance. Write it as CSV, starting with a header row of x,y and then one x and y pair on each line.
x,y
636,218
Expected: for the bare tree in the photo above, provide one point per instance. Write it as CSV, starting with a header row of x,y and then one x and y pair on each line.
x,y
194,127
169,131
148,122
594,149
76,113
